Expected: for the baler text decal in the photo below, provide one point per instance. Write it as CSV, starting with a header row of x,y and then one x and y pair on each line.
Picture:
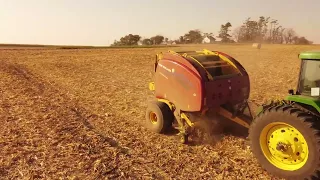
x,y
164,67
183,80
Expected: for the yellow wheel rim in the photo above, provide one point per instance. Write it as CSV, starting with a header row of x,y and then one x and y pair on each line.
x,y
284,146
153,118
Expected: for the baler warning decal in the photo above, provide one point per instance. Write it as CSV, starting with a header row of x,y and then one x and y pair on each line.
x,y
163,75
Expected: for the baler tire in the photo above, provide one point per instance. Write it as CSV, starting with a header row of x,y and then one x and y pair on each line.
x,y
302,123
163,114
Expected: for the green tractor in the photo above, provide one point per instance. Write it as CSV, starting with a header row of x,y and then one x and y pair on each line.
x,y
285,135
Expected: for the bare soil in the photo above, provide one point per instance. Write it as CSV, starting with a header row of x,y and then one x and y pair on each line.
x,y
78,114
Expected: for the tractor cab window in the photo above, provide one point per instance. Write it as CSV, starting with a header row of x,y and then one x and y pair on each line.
x,y
309,77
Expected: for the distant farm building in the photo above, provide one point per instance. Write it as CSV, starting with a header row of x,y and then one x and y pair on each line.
x,y
206,40
170,42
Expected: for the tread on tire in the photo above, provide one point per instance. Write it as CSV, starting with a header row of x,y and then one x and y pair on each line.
x,y
309,127
163,114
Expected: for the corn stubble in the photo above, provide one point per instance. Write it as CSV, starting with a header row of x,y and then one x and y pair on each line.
x,y
77,114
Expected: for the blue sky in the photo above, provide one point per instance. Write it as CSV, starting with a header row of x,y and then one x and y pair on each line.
x,y
100,22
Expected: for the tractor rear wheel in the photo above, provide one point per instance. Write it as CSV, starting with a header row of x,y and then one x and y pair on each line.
x,y
286,142
159,117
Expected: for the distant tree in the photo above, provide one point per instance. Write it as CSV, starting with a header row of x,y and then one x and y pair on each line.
x,y
301,40
280,35
271,35
251,31
289,34
181,40
238,33
224,32
262,30
158,39
193,36
128,40
147,41
275,33
116,43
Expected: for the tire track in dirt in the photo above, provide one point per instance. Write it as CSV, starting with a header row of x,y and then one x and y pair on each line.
x,y
45,135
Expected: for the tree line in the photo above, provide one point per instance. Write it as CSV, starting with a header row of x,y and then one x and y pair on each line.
x,y
263,30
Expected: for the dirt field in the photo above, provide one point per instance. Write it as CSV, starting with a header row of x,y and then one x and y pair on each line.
x,y
77,114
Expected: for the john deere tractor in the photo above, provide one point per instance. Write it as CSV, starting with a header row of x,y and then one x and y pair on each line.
x,y
285,135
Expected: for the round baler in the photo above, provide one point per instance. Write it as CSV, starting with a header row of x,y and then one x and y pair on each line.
x,y
195,82
285,134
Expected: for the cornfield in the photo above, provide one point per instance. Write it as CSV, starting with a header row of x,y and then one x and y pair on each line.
x,y
78,114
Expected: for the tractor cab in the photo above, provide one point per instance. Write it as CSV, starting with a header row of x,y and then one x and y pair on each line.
x,y
307,95
309,80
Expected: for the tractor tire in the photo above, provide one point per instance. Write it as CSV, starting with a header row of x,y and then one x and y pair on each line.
x,y
286,142
159,117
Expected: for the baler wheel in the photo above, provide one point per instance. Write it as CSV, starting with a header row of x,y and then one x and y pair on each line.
x,y
286,142
159,117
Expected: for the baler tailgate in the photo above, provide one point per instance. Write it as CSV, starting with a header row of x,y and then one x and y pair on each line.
x,y
230,90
